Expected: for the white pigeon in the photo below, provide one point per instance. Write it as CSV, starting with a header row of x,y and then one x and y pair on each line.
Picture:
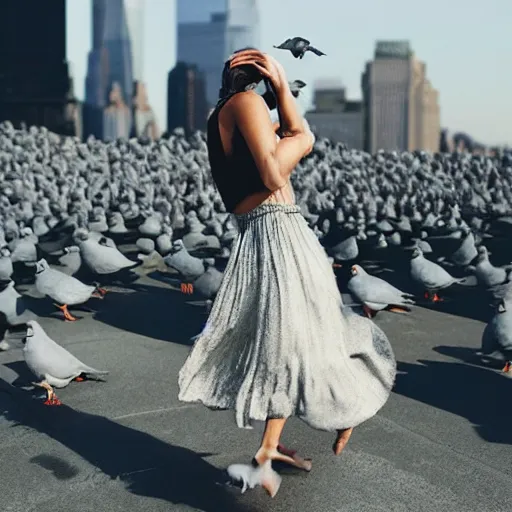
x,y
376,294
251,476
99,257
51,363
430,275
6,268
13,311
65,290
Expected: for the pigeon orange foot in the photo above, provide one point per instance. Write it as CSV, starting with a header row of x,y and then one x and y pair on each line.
x,y
80,378
187,288
433,297
507,368
67,315
53,401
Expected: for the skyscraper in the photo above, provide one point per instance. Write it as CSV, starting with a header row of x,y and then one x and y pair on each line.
x,y
135,20
335,117
186,99
109,63
35,86
401,106
211,30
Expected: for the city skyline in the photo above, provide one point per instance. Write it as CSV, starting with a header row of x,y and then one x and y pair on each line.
x,y
470,73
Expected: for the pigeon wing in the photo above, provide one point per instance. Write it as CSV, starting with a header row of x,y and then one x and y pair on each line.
x,y
316,51
374,289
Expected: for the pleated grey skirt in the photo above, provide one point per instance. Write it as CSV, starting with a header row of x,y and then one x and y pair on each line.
x,y
279,342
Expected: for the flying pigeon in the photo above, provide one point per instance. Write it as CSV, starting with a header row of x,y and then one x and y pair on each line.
x,y
51,363
296,86
298,46
251,476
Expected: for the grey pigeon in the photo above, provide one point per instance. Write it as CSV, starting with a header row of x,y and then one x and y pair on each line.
x,y
208,284
179,259
430,275
101,258
497,335
52,363
298,47
376,294
296,86
487,274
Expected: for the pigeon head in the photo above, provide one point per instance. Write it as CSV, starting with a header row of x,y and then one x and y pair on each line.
x,y
81,234
482,253
177,245
416,253
41,266
356,270
29,332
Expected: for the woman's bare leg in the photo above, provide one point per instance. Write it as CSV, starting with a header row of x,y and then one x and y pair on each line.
x,y
270,447
341,440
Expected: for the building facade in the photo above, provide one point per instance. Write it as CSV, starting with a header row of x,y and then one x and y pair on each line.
x,y
109,69
35,84
401,108
336,118
187,106
210,31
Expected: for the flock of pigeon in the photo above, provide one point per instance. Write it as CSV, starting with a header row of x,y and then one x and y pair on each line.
x,y
67,205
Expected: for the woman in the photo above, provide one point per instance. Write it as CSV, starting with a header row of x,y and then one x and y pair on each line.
x,y
278,342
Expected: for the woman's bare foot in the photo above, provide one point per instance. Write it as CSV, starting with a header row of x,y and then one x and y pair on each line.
x,y
282,454
341,440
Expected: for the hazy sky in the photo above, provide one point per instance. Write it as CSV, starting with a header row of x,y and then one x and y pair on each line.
x,y
467,47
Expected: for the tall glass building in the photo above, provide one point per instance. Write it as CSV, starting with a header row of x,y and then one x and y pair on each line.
x,y
211,30
135,19
109,63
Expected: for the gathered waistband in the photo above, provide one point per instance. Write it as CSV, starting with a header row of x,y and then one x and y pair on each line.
x,y
265,208
245,219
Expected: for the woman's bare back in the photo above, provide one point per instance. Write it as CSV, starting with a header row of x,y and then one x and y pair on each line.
x,y
227,127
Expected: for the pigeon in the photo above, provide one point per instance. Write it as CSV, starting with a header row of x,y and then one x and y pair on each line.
x,y
179,259
497,335
6,268
298,46
207,285
251,476
13,311
99,257
487,274
430,275
376,294
296,86
71,261
52,363
65,290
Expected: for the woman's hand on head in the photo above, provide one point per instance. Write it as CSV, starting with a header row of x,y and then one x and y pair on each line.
x,y
267,65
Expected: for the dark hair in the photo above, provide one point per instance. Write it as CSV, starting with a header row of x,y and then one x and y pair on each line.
x,y
238,79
